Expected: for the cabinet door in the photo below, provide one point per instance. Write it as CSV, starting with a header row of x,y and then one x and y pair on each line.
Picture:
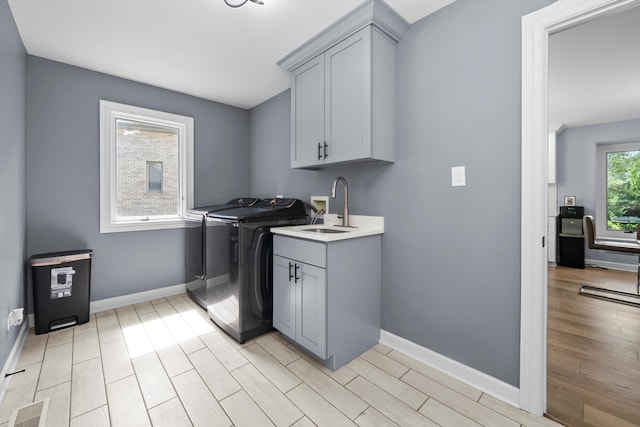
x,y
311,315
307,114
284,297
348,98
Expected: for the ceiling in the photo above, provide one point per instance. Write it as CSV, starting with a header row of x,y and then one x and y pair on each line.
x,y
198,47
594,71
206,49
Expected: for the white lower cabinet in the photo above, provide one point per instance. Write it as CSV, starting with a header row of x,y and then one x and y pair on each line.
x,y
326,296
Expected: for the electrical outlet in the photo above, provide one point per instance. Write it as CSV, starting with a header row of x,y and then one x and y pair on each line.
x,y
15,318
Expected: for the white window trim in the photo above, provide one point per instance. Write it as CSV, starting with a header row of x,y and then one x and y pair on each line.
x,y
601,188
109,112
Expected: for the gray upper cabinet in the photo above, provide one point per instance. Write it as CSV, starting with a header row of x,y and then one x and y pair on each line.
x,y
307,114
343,90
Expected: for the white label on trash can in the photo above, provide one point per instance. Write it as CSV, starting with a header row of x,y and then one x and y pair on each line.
x,y
61,282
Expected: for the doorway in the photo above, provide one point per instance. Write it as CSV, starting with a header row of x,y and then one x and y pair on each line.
x,y
536,29
591,344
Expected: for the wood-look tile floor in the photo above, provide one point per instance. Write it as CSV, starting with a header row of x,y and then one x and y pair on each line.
x,y
593,346
163,363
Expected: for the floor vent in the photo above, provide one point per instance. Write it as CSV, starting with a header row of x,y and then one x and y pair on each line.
x,y
31,415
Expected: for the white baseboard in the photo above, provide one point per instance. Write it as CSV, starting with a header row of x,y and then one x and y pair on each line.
x,y
121,301
483,382
94,307
612,265
12,360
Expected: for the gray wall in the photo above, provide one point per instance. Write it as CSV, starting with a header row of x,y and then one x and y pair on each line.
x,y
13,63
451,255
451,261
63,173
576,169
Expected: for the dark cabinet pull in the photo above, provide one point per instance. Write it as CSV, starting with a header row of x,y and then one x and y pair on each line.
x,y
319,151
296,278
325,149
290,275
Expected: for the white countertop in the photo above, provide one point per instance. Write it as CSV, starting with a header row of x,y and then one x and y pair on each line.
x,y
360,226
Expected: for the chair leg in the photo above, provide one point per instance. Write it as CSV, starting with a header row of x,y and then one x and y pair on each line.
x,y
638,279
612,295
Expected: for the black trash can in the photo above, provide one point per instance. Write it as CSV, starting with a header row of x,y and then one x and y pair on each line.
x,y
61,289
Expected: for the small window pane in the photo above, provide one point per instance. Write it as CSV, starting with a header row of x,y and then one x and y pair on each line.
x,y
147,169
154,174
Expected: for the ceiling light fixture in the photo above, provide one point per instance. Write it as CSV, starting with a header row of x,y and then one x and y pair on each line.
x,y
238,3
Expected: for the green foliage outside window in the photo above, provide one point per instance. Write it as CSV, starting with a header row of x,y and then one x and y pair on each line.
x,y
623,188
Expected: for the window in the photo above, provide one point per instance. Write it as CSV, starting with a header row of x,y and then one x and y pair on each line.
x,y
146,168
618,182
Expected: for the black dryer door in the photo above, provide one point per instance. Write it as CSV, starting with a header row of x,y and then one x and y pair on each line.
x,y
261,282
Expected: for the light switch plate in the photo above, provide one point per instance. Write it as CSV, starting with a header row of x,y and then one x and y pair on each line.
x,y
458,178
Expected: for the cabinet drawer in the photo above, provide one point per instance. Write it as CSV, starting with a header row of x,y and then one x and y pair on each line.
x,y
314,253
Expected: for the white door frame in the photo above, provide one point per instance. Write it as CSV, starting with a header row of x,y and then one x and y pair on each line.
x,y
536,28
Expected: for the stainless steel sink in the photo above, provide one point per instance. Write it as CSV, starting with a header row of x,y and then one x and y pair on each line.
x,y
326,230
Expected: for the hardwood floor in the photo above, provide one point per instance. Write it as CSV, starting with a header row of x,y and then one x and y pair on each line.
x,y
164,363
593,348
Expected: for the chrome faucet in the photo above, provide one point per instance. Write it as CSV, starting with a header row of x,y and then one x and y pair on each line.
x,y
345,214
